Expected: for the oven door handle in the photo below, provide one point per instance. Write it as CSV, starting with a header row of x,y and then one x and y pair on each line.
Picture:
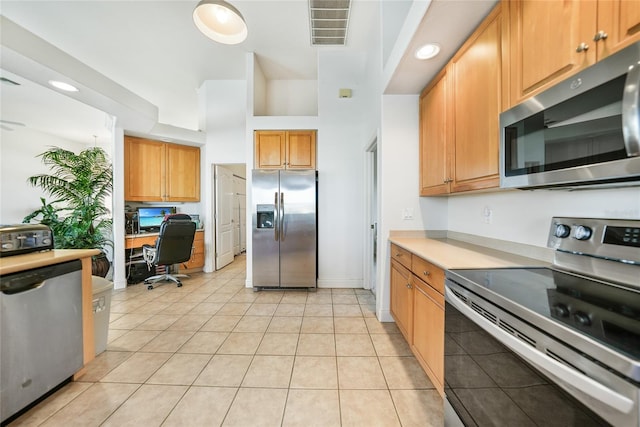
x,y
584,384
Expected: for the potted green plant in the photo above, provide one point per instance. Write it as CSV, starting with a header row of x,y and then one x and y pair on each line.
x,y
79,184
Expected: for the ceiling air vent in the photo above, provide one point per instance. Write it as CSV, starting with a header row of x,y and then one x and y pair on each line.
x,y
329,21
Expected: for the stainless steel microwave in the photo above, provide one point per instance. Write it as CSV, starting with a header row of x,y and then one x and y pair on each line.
x,y
582,131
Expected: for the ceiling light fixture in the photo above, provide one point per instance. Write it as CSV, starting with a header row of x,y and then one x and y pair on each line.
x,y
220,21
427,51
63,86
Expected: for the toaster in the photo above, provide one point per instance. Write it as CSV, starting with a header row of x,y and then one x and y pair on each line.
x,y
20,239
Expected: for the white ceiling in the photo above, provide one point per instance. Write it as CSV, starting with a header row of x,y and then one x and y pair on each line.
x,y
153,49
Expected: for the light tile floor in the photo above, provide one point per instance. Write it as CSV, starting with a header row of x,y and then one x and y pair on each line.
x,y
215,353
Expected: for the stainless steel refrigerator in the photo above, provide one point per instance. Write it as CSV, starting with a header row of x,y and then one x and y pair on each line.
x,y
284,234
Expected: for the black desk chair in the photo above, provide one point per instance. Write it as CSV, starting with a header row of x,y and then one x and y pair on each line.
x,y
173,246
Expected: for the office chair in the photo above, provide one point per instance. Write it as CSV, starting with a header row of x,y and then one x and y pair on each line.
x,y
173,246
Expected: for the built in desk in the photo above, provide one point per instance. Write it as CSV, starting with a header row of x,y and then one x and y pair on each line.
x,y
195,263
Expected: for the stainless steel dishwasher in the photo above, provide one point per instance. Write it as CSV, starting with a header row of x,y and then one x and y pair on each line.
x,y
41,340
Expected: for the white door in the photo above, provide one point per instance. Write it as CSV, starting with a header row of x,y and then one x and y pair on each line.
x,y
224,216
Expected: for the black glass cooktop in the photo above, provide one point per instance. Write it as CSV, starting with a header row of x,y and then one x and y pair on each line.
x,y
607,313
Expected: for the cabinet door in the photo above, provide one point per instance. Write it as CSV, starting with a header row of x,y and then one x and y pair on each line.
x,y
402,299
620,21
301,149
270,150
434,141
183,173
145,174
428,331
545,36
476,70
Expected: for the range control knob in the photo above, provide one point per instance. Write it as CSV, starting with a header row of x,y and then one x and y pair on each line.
x,y
562,231
582,318
582,232
561,310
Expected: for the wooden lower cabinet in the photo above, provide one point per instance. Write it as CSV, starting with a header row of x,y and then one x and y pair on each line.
x,y
197,256
402,298
417,306
428,331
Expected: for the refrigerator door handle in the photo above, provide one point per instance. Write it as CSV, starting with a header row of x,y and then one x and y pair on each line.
x,y
282,217
277,219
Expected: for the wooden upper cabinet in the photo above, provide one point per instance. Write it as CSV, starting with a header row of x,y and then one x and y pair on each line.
x,y
145,170
301,149
476,72
161,172
620,22
545,36
435,170
270,149
551,40
183,173
279,149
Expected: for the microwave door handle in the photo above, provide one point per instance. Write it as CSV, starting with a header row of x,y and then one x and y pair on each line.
x,y
631,112
585,385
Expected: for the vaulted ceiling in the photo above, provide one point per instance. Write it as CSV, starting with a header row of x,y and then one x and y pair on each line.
x,y
153,49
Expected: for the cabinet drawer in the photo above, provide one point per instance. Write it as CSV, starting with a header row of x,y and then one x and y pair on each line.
x,y
403,256
428,272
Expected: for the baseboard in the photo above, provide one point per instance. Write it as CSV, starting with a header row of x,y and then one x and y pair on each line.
x,y
328,283
385,316
341,283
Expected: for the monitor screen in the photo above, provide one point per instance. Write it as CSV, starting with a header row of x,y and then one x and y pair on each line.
x,y
149,219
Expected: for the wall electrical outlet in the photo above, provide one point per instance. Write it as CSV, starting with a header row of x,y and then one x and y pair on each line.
x,y
487,214
407,213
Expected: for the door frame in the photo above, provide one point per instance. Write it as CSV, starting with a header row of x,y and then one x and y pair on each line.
x,y
214,230
371,209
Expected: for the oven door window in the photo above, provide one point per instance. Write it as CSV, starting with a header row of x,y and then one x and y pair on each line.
x,y
583,130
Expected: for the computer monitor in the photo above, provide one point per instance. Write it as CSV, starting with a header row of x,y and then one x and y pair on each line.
x,y
149,219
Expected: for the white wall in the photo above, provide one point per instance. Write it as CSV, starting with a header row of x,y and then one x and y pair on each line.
x,y
18,161
399,185
292,98
342,134
525,216
225,118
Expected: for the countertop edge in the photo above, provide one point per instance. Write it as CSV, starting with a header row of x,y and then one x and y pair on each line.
x,y
14,264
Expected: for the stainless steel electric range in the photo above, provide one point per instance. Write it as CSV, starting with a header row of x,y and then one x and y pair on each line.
x,y
550,346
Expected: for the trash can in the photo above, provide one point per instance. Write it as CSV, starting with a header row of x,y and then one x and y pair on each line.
x,y
102,289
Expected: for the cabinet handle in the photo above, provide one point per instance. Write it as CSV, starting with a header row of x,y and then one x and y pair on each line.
x,y
398,254
426,273
600,35
448,180
582,47
409,286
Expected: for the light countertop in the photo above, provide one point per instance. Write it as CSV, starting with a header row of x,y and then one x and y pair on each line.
x,y
23,262
450,254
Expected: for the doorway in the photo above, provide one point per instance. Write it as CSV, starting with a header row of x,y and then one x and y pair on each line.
x,y
371,209
230,200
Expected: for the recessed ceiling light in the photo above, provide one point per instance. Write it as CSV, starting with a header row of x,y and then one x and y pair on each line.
x,y
428,51
63,86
